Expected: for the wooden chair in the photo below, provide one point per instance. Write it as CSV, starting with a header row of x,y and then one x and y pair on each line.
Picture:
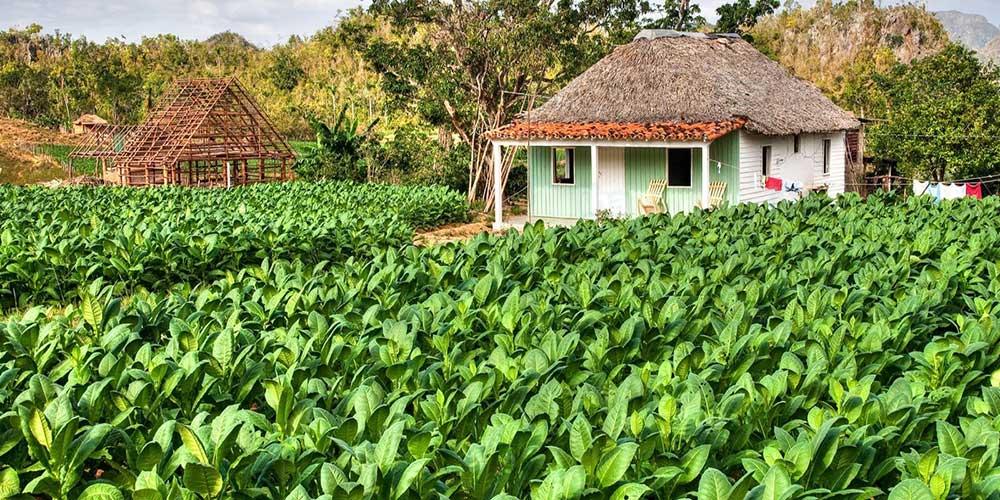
x,y
716,194
652,201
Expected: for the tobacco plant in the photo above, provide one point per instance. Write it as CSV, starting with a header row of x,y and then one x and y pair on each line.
x,y
822,349
53,241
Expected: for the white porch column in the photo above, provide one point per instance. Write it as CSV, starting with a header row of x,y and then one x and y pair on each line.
x,y
497,187
593,179
705,172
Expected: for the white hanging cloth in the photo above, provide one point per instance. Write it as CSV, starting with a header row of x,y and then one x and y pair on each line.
x,y
920,187
952,191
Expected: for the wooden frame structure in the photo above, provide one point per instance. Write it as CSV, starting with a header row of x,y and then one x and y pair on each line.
x,y
103,143
202,132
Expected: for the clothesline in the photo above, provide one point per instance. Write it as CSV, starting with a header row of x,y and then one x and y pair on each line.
x,y
986,178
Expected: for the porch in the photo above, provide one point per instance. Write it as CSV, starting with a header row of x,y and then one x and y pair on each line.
x,y
571,180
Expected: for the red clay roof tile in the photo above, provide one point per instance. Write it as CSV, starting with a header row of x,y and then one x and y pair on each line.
x,y
663,131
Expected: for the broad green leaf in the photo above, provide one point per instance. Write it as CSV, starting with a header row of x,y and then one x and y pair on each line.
x,y
9,483
202,479
388,445
101,491
92,310
40,429
693,461
580,437
299,493
147,494
193,444
615,419
222,348
911,489
714,485
950,440
483,288
88,444
630,491
410,474
775,484
615,463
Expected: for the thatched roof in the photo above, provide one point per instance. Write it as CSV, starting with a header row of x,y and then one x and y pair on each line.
x,y
664,77
90,119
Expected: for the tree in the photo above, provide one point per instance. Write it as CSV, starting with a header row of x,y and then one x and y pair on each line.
x,y
741,15
339,150
680,15
471,65
939,119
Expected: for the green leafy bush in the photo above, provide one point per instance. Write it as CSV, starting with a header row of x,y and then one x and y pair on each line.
x,y
52,241
813,350
339,152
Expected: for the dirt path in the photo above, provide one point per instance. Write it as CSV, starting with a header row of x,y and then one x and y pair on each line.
x,y
451,233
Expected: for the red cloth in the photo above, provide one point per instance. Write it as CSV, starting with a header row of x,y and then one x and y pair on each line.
x,y
773,183
975,190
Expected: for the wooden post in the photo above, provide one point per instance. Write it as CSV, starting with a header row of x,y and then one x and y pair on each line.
x,y
706,199
594,171
497,187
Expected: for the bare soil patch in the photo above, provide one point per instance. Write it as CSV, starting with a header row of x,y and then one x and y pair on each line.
x,y
451,233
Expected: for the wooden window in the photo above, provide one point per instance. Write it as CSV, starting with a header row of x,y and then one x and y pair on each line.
x,y
679,169
765,161
797,143
563,166
827,144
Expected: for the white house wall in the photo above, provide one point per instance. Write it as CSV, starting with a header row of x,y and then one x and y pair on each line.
x,y
805,166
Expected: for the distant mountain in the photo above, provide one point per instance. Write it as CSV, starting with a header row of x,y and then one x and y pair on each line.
x,y
830,42
991,51
972,30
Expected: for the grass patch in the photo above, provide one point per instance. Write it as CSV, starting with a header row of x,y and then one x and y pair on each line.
x,y
60,153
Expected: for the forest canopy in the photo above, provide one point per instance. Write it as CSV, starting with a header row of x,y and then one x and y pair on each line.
x,y
423,80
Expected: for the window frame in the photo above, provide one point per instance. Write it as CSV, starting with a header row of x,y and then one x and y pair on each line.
x,y
766,160
570,166
690,168
827,155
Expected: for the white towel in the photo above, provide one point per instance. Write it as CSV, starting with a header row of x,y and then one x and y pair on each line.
x,y
952,191
920,188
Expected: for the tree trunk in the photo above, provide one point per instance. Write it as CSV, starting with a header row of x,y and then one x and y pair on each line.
x,y
682,13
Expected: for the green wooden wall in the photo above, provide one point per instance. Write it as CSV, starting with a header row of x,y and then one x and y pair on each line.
x,y
727,151
546,199
641,166
645,164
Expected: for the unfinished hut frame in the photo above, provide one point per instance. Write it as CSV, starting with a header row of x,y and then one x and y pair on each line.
x,y
202,132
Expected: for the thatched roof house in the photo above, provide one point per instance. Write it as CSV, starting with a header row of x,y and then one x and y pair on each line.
x,y
714,99
87,122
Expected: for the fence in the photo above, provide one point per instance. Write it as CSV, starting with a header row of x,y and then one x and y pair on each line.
x,y
60,154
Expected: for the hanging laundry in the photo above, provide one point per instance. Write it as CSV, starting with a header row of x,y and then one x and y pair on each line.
x,y
952,191
920,187
974,190
935,191
773,183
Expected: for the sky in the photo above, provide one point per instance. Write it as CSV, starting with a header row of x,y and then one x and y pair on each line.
x,y
263,22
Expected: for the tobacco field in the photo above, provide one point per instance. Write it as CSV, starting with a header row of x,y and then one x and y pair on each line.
x,y
845,349
52,241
